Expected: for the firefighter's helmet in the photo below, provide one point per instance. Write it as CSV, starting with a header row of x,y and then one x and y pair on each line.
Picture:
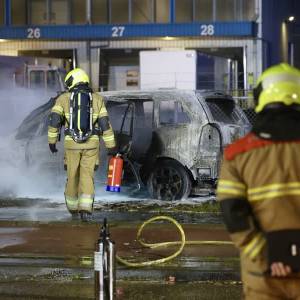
x,y
277,84
75,77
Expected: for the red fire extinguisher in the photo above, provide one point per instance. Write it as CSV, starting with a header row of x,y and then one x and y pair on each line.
x,y
114,177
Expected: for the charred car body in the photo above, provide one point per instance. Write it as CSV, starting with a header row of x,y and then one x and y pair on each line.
x,y
172,140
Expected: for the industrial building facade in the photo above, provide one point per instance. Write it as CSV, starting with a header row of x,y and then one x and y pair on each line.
x,y
104,37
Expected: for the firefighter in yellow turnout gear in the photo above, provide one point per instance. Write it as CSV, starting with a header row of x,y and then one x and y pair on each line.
x,y
85,118
259,190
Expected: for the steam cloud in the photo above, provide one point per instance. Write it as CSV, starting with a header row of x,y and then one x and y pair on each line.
x,y
18,178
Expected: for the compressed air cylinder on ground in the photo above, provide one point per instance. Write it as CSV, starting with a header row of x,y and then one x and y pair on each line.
x,y
105,266
114,177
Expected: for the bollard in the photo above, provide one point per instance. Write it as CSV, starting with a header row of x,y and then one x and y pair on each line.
x,y
104,266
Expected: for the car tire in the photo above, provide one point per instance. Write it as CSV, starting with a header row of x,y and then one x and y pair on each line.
x,y
169,180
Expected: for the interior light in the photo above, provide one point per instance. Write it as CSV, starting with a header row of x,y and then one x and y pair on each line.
x,y
291,18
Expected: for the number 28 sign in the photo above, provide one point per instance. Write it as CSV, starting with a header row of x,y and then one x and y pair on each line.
x,y
207,29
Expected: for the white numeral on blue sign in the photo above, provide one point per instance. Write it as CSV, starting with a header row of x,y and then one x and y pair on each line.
x,y
33,33
117,31
207,30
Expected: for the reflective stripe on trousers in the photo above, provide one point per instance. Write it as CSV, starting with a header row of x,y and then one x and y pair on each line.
x,y
86,202
72,203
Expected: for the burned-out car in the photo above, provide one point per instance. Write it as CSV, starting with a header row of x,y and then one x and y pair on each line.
x,y
175,138
171,140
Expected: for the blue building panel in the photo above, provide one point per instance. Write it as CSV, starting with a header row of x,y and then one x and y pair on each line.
x,y
7,15
115,31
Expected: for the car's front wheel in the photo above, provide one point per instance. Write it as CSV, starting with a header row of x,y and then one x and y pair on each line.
x,y
169,180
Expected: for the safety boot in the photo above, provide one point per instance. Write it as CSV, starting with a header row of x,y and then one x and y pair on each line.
x,y
85,216
74,215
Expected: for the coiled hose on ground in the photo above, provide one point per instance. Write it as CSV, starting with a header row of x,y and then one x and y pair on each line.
x,y
182,243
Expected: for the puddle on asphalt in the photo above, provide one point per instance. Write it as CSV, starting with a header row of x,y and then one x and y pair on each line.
x,y
8,236
10,230
6,242
60,213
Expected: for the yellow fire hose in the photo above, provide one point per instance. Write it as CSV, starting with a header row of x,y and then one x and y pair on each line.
x,y
182,243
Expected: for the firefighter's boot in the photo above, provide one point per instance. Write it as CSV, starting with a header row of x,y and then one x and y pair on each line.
x,y
85,216
75,216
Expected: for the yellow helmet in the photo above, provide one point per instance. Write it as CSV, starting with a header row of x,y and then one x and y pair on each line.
x,y
75,77
277,84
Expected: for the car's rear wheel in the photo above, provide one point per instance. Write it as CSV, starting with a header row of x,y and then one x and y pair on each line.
x,y
169,180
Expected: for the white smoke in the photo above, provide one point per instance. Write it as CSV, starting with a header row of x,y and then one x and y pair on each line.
x,y
18,177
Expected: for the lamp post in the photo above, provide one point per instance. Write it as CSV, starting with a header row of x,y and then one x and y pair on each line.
x,y
286,43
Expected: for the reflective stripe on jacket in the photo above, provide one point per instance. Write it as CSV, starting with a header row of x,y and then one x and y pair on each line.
x,y
259,190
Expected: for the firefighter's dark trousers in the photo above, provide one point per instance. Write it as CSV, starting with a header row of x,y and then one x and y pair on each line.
x,y
79,192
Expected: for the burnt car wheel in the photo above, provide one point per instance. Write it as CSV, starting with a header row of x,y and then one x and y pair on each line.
x,y
169,181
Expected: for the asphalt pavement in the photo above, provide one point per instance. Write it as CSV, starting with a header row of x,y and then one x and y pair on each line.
x,y
40,246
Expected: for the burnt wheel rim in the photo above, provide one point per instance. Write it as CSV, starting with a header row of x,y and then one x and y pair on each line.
x,y
167,183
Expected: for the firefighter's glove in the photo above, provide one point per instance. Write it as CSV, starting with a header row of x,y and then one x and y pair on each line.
x,y
112,151
53,148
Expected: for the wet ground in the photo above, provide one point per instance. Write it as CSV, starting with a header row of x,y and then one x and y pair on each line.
x,y
45,255
133,290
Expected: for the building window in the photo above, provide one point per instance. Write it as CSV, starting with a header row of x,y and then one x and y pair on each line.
x,y
119,11
43,12
38,12
78,12
226,10
203,10
2,12
142,11
184,11
99,11
60,12
18,12
162,11
248,10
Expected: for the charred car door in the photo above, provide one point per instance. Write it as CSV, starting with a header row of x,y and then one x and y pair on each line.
x,y
131,120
